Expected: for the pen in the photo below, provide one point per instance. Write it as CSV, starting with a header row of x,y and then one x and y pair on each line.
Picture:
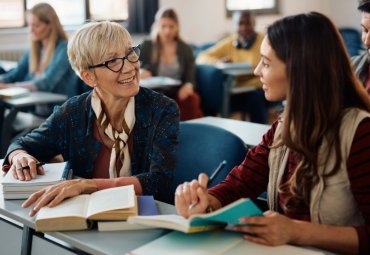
x,y
28,167
212,177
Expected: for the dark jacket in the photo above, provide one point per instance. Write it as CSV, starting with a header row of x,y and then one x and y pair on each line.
x,y
69,132
184,54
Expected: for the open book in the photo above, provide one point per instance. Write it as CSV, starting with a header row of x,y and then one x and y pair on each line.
x,y
229,214
146,206
14,92
16,189
78,212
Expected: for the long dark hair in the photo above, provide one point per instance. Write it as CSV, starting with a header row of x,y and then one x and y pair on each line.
x,y
322,85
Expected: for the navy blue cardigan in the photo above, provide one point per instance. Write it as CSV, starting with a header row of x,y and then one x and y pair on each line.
x,y
69,132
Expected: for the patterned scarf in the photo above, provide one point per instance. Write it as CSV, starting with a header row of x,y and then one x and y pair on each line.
x,y
120,148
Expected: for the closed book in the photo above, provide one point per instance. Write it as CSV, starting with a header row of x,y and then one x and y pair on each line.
x,y
16,189
79,212
218,219
14,92
146,207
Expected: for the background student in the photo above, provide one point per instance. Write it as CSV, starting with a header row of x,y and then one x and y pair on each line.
x,y
166,54
45,66
361,62
116,135
313,161
241,47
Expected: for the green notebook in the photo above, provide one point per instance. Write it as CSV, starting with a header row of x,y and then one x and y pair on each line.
x,y
229,214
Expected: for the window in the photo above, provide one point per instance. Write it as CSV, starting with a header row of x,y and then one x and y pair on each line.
x,y
11,13
70,12
256,6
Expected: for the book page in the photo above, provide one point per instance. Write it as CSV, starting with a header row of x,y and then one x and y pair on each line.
x,y
111,199
53,174
171,221
75,206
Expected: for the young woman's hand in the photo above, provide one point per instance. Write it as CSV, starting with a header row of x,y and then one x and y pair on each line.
x,y
273,229
191,197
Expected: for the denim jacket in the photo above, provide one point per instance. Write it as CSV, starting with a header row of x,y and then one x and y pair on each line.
x,y
69,132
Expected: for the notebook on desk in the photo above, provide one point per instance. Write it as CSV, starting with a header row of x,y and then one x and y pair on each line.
x,y
214,243
15,92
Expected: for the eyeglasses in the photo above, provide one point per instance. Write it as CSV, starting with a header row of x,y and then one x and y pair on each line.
x,y
116,64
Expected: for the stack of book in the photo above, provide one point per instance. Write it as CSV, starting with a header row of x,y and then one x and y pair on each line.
x,y
16,189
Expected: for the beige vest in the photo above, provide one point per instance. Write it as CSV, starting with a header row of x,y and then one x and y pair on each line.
x,y
331,202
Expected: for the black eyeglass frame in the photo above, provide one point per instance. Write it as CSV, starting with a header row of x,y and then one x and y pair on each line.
x,y
135,49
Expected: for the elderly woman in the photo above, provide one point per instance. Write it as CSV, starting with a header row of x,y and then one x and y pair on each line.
x,y
118,134
45,66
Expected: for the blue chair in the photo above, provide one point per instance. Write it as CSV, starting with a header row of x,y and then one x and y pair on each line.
x,y
201,149
352,40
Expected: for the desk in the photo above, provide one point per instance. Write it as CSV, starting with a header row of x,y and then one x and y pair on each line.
x,y
233,70
15,105
251,133
7,65
159,82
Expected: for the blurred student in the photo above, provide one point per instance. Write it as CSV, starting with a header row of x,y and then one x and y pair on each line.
x,y
241,47
45,66
166,54
313,162
118,134
362,62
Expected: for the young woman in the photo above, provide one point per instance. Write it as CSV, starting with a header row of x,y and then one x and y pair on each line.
x,y
166,54
314,161
45,66
118,134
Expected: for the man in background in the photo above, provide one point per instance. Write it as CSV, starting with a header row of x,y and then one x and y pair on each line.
x,y
241,47
361,62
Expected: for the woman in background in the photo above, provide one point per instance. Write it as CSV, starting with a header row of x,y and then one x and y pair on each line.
x,y
45,66
314,162
166,54
118,134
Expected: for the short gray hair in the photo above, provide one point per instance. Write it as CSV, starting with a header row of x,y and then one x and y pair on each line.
x,y
91,43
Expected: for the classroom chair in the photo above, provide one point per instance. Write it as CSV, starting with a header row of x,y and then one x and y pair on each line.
x,y
202,148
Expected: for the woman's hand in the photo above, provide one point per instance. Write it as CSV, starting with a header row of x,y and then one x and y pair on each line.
x,y
273,229
22,160
191,197
186,90
55,194
145,74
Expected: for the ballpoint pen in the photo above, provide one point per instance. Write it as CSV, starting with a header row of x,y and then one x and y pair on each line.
x,y
212,177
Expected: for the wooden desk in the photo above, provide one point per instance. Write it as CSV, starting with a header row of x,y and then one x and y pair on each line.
x,y
251,133
233,71
15,105
159,82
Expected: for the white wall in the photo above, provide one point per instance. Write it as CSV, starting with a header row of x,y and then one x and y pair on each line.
x,y
205,20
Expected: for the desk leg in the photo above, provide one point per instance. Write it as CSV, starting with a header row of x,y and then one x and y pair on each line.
x,y
6,131
225,111
27,240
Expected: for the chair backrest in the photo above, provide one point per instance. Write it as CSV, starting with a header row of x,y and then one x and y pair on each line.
x,y
209,81
201,149
352,39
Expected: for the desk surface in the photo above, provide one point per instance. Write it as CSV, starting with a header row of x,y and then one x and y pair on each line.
x,y
35,98
7,64
251,133
158,82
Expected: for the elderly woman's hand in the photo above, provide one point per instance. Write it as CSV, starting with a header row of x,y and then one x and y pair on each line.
x,y
24,167
191,197
55,194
